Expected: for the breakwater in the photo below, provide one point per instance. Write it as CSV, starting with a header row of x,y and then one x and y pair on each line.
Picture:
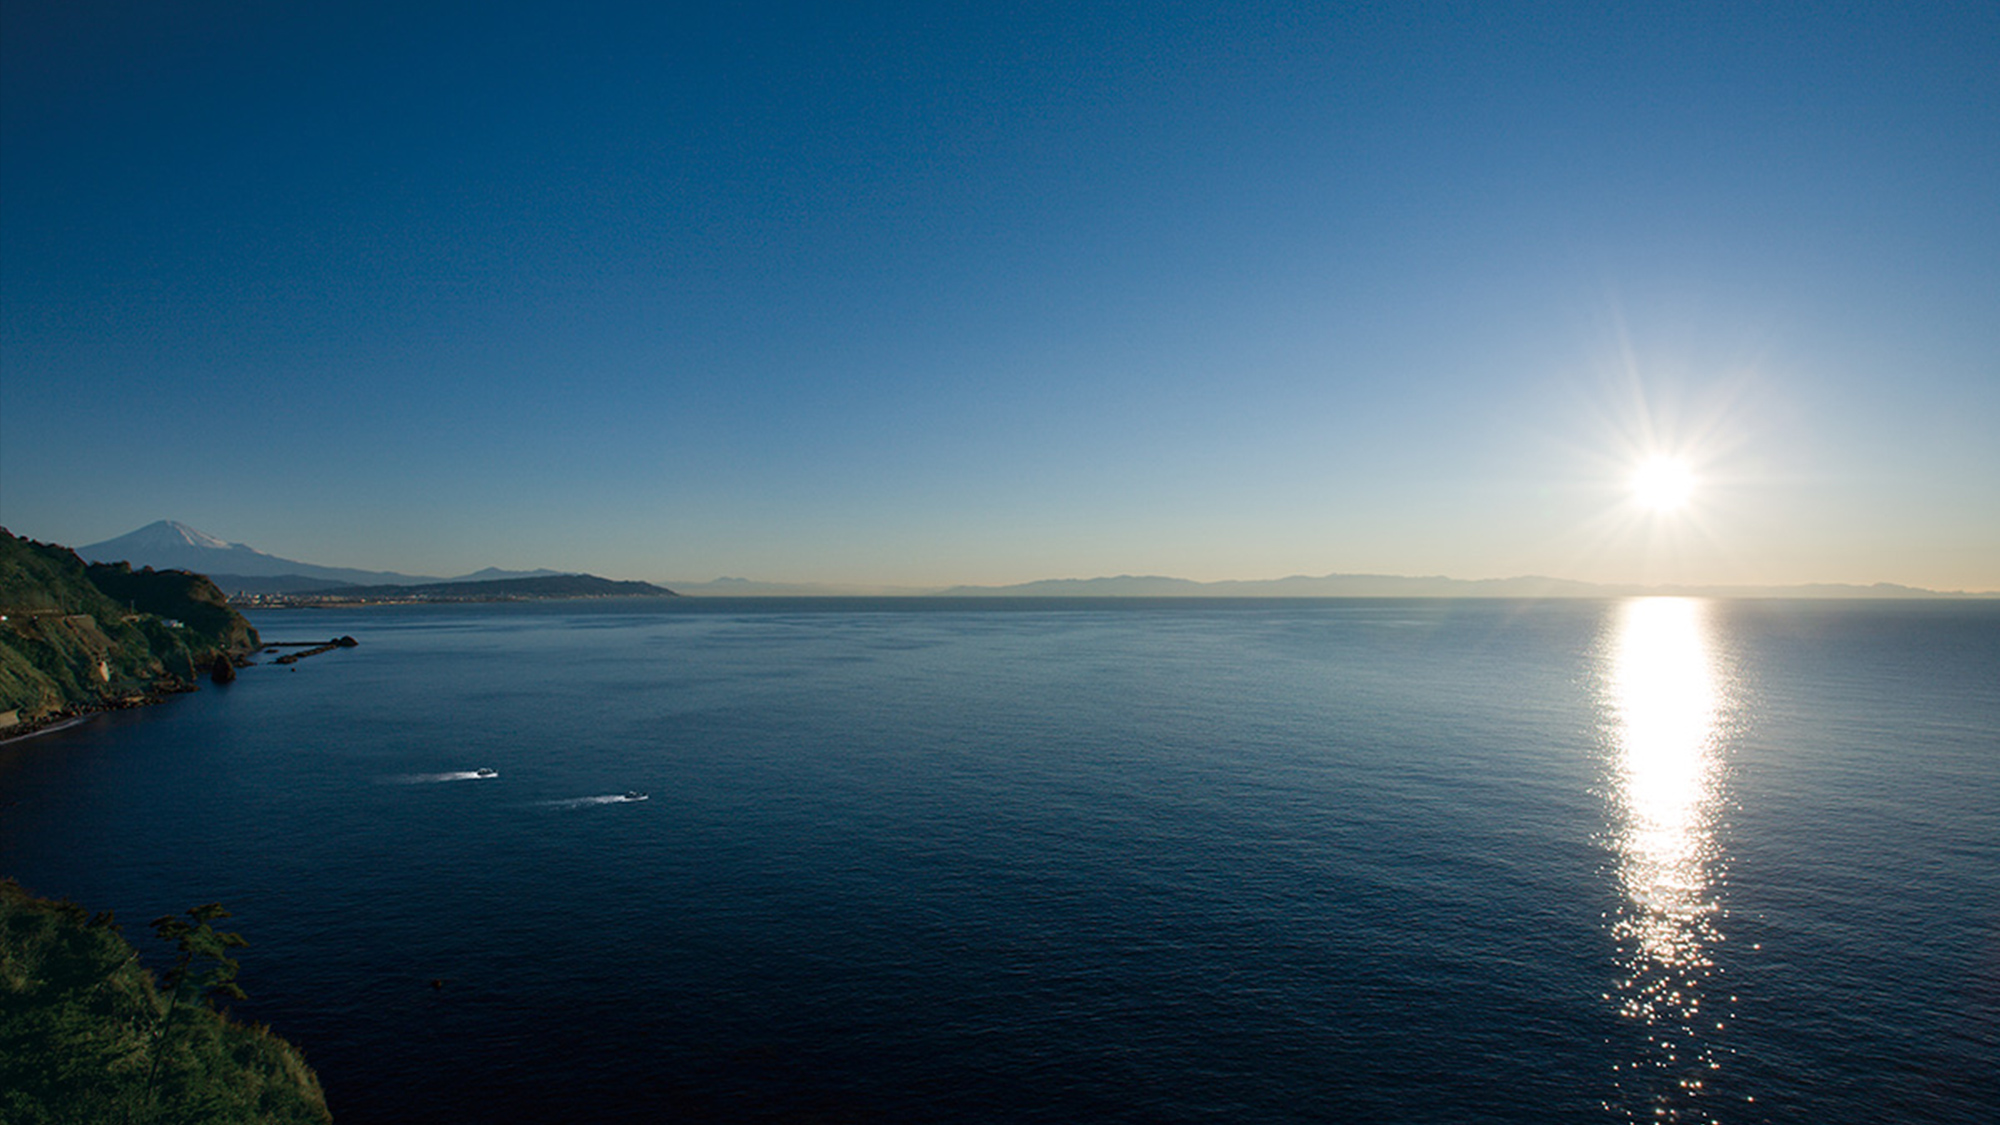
x,y
312,648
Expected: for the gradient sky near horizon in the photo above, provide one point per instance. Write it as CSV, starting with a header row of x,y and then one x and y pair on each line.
x,y
937,293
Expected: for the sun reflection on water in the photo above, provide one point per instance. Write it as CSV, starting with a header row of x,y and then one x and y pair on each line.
x,y
1665,692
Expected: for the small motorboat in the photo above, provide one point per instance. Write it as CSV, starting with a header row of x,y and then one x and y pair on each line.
x,y
634,795
484,772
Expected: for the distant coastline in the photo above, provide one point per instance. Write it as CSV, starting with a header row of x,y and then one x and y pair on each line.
x,y
1323,586
549,588
255,579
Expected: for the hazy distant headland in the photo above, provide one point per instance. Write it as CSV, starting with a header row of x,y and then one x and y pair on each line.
x,y
541,588
1435,586
1307,586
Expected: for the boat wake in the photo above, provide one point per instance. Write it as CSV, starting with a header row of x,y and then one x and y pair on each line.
x,y
606,799
455,775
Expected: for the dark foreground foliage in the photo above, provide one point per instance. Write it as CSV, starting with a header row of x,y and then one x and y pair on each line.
x,y
87,1036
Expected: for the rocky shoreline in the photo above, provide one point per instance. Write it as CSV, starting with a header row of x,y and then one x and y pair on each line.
x,y
167,688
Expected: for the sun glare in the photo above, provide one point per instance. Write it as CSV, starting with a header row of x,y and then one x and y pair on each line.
x,y
1663,484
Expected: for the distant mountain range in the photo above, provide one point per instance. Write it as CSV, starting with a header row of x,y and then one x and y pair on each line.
x,y
1309,586
170,545
240,569
1399,586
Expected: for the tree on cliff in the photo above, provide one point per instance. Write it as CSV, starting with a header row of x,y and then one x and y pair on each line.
x,y
85,1033
196,940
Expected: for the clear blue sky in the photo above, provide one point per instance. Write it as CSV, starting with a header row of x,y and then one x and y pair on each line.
x,y
934,293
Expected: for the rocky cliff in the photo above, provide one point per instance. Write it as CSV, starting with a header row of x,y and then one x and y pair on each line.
x,y
75,637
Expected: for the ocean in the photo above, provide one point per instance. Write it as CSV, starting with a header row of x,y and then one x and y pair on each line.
x,y
853,860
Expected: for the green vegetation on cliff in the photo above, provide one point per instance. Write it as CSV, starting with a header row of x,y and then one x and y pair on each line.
x,y
74,637
194,601
87,1035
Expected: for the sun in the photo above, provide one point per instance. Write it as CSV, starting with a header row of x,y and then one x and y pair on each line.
x,y
1663,484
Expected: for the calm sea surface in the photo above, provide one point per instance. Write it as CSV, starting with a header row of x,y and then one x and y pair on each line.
x,y
1383,861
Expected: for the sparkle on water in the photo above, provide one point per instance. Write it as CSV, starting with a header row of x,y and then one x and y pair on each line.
x,y
1665,690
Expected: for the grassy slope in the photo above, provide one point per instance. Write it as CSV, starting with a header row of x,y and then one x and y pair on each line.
x,y
208,624
78,636
77,1017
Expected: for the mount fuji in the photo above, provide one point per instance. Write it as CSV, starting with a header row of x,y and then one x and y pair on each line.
x,y
171,545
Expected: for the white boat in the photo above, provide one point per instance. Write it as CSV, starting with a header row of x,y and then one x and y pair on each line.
x,y
634,795
484,772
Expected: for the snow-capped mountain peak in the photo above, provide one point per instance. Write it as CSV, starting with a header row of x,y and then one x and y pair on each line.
x,y
172,545
173,533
